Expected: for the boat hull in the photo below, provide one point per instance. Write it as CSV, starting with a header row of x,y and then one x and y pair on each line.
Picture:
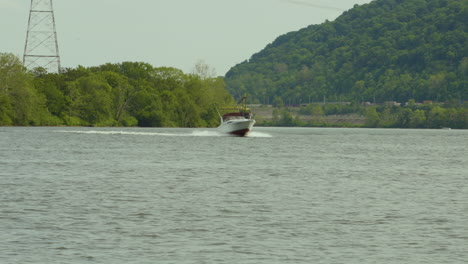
x,y
239,128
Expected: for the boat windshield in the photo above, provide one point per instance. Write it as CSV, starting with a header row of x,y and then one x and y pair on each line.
x,y
233,116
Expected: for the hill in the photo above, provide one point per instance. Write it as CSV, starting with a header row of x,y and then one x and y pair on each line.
x,y
387,50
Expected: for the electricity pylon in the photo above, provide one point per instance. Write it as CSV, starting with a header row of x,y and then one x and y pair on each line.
x,y
41,47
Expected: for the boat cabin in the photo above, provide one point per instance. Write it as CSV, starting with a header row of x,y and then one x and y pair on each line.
x,y
237,115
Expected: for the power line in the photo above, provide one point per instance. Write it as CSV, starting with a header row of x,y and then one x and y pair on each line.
x,y
304,3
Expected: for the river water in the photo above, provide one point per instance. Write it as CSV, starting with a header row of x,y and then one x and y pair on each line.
x,y
282,195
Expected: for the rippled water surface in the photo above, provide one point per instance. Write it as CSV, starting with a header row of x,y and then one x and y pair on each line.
x,y
282,195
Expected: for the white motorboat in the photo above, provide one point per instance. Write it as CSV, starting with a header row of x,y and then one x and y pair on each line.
x,y
238,122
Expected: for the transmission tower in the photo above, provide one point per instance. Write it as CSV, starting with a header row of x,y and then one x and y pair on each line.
x,y
41,47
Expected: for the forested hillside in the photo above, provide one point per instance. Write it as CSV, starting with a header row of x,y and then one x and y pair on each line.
x,y
387,50
125,94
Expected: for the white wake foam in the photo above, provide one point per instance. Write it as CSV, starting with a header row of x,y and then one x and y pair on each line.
x,y
205,133
165,134
257,134
196,133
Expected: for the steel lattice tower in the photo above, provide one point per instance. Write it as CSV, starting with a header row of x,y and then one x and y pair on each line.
x,y
41,47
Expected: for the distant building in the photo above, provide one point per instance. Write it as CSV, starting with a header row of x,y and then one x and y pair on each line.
x,y
392,103
408,104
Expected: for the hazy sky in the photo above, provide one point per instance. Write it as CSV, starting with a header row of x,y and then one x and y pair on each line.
x,y
174,33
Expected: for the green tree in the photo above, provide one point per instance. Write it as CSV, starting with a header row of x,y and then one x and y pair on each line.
x,y
56,102
6,111
372,117
122,92
404,118
92,101
278,102
437,117
21,104
286,119
417,119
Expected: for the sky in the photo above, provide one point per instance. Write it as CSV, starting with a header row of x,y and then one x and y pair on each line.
x,y
167,33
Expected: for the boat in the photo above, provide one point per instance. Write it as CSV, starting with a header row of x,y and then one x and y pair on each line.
x,y
237,121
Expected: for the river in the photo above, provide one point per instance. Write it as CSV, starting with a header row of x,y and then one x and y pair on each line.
x,y
282,195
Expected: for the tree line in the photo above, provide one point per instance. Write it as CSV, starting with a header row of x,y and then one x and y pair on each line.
x,y
137,94
123,94
412,115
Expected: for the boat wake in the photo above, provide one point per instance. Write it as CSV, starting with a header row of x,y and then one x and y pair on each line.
x,y
196,133
256,134
164,134
206,133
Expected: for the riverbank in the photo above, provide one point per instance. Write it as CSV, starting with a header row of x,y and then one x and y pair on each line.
x,y
434,116
267,116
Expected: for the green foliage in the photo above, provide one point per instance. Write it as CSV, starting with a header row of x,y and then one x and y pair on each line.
x,y
372,116
6,111
125,94
426,116
20,103
387,50
433,116
278,102
286,119
92,100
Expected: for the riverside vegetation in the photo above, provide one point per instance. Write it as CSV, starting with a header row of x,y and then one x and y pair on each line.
x,y
125,94
411,115
137,94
